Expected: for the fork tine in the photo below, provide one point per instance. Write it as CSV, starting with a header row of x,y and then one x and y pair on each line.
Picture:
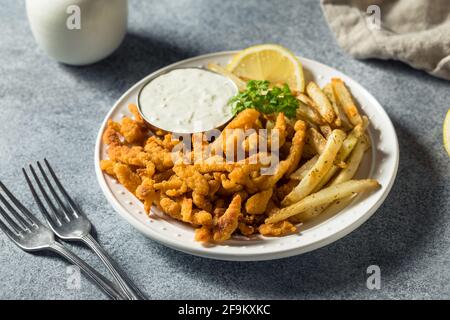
x,y
44,211
13,225
8,231
24,224
61,189
53,192
31,218
41,206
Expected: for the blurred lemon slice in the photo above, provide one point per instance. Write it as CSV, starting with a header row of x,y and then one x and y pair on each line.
x,y
269,62
446,132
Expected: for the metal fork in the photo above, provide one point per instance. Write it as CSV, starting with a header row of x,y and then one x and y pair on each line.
x,y
68,223
27,232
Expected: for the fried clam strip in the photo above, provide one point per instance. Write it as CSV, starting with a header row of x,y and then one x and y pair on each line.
x,y
228,222
344,98
257,203
181,209
159,153
201,201
170,207
321,101
127,177
108,166
244,120
277,229
111,134
186,210
174,187
343,176
214,164
265,182
320,168
253,141
194,179
147,193
243,174
133,131
135,156
323,197
281,127
296,149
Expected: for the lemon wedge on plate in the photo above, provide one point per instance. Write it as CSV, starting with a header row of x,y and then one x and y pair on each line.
x,y
269,62
446,132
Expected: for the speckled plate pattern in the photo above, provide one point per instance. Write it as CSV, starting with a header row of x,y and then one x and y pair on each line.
x,y
380,163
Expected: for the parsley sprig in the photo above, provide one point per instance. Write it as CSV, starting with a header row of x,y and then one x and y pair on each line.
x,y
267,100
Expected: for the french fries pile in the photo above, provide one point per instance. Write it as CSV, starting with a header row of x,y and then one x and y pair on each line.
x,y
320,152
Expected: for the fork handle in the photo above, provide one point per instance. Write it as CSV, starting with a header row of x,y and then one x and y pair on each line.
x,y
106,285
125,283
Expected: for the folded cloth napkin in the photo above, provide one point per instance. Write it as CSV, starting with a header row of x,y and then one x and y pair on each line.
x,y
416,32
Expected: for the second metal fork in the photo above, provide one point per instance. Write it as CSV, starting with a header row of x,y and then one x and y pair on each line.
x,y
28,233
68,223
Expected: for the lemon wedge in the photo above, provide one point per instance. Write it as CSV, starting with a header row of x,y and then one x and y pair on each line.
x,y
446,132
269,62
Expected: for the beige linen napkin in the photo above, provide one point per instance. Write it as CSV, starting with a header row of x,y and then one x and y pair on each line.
x,y
416,32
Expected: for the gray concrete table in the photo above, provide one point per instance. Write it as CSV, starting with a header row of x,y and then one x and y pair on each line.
x,y
54,111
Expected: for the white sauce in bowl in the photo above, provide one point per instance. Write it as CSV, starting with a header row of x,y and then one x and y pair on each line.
x,y
187,100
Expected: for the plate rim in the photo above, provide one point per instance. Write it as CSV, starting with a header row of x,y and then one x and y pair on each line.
x,y
203,252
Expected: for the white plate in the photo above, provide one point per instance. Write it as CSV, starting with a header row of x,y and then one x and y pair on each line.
x,y
380,164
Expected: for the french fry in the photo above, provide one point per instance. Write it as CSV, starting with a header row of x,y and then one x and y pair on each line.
x,y
316,140
344,98
309,113
350,141
352,163
323,197
347,147
304,169
219,69
326,130
307,100
320,168
343,176
341,119
334,207
321,101
339,205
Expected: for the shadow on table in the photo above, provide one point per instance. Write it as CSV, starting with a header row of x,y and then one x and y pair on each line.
x,y
138,56
401,231
398,68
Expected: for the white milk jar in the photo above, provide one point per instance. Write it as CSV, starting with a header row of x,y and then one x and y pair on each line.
x,y
78,32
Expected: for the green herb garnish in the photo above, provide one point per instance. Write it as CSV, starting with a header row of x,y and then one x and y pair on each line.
x,y
267,100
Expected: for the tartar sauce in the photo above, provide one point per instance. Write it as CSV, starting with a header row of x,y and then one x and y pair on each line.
x,y
187,100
